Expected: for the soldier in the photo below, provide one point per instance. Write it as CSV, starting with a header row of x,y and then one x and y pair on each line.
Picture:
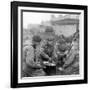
x,y
32,66
48,50
72,63
47,55
61,52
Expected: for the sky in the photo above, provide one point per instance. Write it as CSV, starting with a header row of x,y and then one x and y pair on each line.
x,y
35,18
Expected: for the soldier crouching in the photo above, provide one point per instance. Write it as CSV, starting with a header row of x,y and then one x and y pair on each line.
x,y
47,57
31,64
61,52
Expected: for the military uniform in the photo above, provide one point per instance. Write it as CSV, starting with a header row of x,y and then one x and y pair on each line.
x,y
72,63
47,55
61,52
31,65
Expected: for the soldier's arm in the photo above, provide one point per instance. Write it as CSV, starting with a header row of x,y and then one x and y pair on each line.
x,y
45,55
32,63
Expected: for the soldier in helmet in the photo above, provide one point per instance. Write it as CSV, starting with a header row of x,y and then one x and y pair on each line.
x,y
32,66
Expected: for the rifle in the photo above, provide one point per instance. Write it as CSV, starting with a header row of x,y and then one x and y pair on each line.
x,y
71,42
